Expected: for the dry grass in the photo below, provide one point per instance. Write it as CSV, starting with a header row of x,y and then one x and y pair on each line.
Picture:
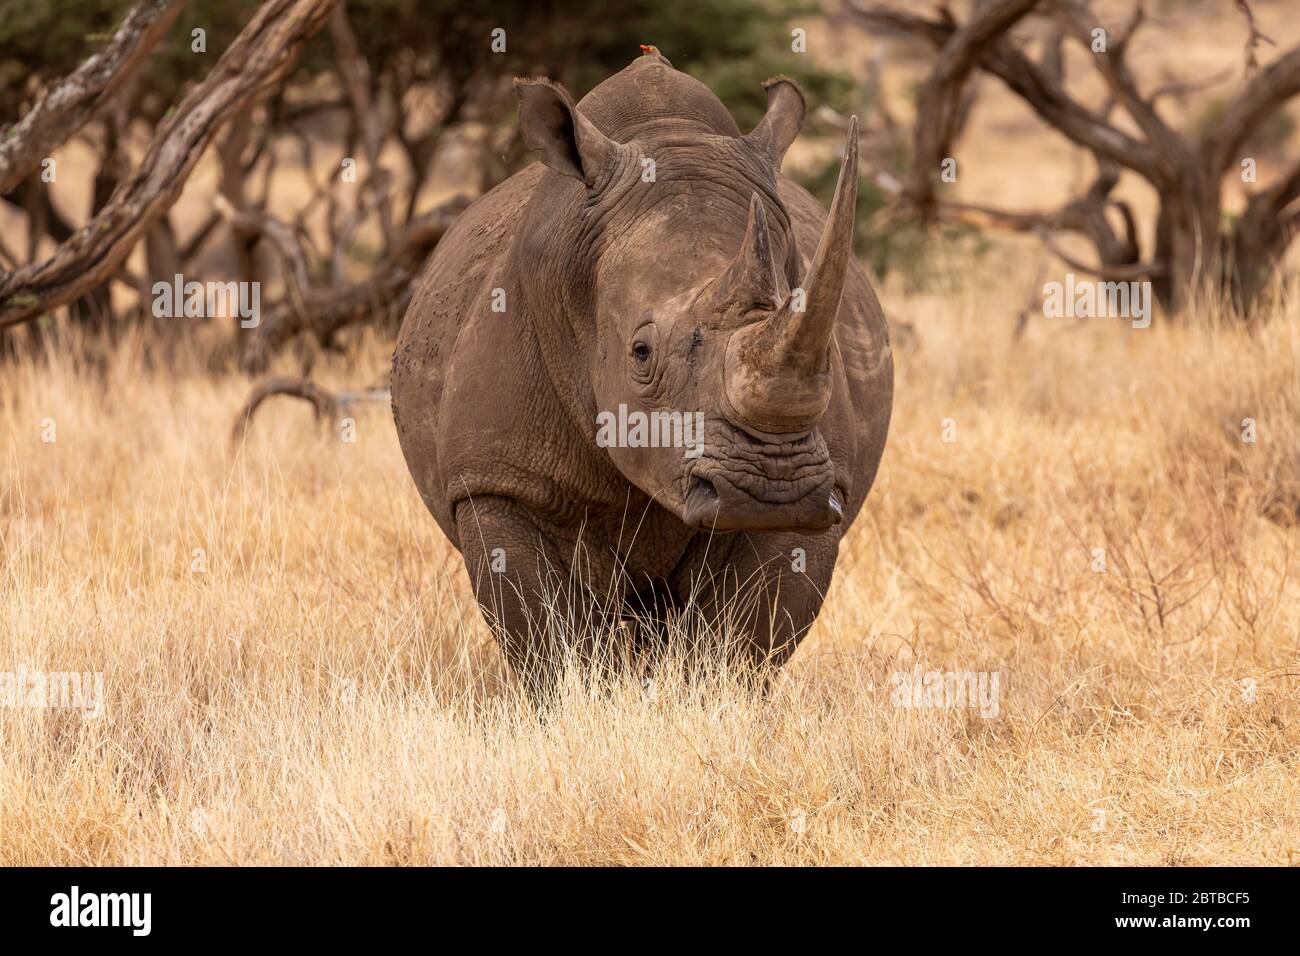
x,y
323,692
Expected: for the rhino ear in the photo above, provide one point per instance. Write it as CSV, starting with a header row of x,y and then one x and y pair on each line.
x,y
568,141
783,119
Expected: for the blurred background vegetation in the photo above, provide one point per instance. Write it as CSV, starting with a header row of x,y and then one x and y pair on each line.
x,y
435,78
435,126
731,45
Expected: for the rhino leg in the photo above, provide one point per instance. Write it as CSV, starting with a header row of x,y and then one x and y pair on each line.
x,y
531,590
767,588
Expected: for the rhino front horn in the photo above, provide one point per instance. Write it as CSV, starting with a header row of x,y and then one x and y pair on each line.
x,y
778,371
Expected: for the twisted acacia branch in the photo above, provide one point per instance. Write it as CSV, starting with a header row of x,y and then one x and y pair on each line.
x,y
262,54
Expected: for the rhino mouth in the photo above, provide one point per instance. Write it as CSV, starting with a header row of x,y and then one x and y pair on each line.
x,y
741,483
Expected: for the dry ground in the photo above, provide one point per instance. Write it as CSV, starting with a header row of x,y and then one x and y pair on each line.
x,y
316,687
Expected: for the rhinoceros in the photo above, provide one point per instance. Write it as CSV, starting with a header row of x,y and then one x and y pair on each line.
x,y
654,276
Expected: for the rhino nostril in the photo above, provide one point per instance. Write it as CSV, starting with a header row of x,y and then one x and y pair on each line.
x,y
702,489
702,503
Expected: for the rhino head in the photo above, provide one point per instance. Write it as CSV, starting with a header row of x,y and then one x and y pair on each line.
x,y
699,301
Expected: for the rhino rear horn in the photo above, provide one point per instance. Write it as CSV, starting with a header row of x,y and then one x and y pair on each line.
x,y
751,277
568,141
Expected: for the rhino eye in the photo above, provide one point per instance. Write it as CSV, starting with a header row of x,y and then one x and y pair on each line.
x,y
641,351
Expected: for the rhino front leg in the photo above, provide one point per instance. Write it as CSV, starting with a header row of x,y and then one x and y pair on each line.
x,y
765,590
522,571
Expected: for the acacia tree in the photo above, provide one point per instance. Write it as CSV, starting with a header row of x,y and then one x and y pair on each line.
x,y
1198,249
398,74
261,55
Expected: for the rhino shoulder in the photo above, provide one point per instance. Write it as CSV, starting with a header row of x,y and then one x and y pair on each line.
x,y
449,301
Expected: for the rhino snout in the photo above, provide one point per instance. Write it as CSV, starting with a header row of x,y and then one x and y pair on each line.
x,y
741,483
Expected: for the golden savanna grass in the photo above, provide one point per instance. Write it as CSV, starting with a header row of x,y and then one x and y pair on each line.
x,y
316,685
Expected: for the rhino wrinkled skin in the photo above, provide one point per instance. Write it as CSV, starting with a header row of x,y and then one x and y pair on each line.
x,y
654,259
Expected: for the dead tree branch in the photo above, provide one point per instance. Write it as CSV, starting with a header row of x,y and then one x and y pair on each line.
x,y
323,311
67,107
1193,252
1254,40
325,405
259,57
1263,96
287,247
1035,85
942,97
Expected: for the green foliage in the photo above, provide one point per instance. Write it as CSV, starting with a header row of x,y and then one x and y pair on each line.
x,y
729,45
732,45
42,41
51,37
